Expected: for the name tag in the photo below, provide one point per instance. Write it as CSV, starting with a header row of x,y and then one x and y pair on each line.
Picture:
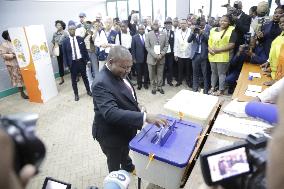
x,y
157,49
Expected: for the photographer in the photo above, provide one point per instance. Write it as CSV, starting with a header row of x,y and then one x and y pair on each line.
x,y
8,178
241,20
199,54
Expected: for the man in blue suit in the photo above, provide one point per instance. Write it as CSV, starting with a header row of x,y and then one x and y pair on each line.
x,y
118,115
139,55
199,54
75,56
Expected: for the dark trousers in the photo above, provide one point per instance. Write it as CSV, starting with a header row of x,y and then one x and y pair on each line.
x,y
185,65
142,72
60,62
168,69
78,66
200,63
118,158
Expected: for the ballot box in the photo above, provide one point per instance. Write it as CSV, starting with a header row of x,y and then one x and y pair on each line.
x,y
161,155
194,106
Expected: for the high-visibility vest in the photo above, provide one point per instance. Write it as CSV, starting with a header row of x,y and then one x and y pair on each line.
x,y
280,65
219,39
274,53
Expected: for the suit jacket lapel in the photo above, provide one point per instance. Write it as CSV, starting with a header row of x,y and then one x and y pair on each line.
x,y
122,87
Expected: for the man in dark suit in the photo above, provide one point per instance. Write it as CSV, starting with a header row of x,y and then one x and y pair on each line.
x,y
242,23
199,54
133,27
118,115
139,55
75,56
169,57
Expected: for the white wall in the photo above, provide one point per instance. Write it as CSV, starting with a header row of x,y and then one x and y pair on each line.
x,y
182,8
23,13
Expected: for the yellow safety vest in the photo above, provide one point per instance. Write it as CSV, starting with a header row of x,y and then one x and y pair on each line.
x,y
274,53
217,41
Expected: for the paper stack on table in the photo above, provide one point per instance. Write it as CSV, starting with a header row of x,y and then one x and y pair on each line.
x,y
255,75
236,108
253,90
238,127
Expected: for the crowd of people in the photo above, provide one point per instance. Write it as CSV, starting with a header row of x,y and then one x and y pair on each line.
x,y
207,53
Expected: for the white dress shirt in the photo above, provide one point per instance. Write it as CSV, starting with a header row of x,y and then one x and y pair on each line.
x,y
77,49
270,94
181,46
126,40
101,39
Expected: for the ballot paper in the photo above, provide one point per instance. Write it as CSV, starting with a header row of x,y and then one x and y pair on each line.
x,y
236,108
251,94
255,75
238,127
254,88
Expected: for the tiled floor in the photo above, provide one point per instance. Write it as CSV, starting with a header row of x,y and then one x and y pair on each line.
x,y
65,127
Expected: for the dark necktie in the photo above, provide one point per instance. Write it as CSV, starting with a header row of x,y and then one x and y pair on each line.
x,y
142,39
74,47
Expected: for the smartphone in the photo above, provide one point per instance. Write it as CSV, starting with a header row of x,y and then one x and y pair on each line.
x,y
50,183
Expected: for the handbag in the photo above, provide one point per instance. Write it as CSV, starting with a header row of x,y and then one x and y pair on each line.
x,y
55,50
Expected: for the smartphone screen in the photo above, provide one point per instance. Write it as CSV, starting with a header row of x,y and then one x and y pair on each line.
x,y
228,164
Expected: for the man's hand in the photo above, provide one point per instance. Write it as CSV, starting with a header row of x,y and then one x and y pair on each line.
x,y
8,177
269,83
160,57
264,65
156,120
259,35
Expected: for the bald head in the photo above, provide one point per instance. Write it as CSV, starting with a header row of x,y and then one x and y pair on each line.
x,y
156,25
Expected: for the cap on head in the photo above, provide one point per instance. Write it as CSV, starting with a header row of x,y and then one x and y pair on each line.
x,y
82,14
71,24
262,8
168,21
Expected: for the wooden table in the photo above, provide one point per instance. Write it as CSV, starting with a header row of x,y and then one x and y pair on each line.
x,y
243,81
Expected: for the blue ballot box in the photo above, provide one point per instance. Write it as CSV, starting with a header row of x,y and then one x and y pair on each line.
x,y
161,155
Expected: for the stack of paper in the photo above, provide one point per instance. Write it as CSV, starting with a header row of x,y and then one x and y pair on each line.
x,y
238,127
255,75
236,108
253,90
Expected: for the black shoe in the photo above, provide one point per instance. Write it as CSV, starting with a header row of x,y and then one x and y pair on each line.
x,y
161,91
139,87
89,93
170,84
189,85
153,91
76,98
146,86
61,82
178,84
24,96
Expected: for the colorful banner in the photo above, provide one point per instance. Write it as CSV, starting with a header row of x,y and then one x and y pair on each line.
x,y
34,60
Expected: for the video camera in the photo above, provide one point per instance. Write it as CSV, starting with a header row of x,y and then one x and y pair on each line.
x,y
28,148
241,165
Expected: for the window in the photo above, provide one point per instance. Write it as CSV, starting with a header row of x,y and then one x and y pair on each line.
x,y
122,10
159,10
146,8
111,9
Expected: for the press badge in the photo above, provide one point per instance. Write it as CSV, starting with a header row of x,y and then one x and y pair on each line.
x,y
157,49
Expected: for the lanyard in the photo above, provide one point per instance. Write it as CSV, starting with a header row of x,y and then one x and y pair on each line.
x,y
183,37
